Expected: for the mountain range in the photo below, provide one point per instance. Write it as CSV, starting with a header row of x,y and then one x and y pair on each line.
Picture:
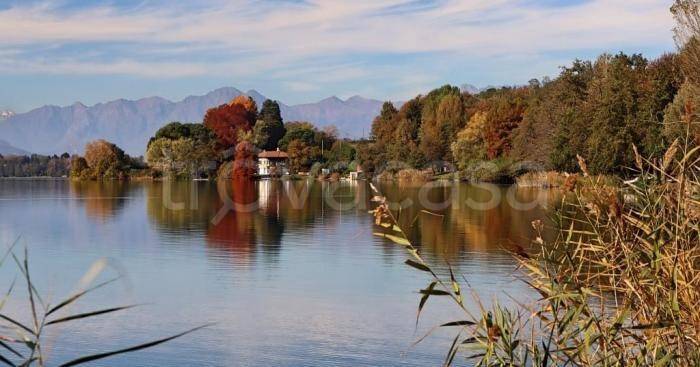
x,y
130,123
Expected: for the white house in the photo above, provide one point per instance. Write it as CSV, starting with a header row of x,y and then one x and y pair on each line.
x,y
272,163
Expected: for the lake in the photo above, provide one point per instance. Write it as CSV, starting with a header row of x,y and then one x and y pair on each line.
x,y
290,273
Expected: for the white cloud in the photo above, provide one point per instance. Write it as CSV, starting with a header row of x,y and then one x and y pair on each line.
x,y
317,41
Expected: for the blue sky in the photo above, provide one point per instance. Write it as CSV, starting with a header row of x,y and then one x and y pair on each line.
x,y
59,52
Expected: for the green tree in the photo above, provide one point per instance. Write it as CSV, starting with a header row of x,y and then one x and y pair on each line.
x,y
269,129
613,106
342,151
303,131
683,115
564,109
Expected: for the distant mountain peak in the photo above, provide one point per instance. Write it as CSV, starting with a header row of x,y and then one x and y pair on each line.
x,y
256,96
6,114
7,149
332,99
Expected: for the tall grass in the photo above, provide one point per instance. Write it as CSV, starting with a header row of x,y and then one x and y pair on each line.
x,y
618,286
21,342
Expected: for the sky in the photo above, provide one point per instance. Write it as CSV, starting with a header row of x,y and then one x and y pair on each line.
x,y
63,51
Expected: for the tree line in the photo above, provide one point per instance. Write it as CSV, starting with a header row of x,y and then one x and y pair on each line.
x,y
230,136
35,165
599,109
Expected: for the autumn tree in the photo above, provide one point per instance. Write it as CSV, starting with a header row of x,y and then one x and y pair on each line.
x,y
442,116
248,105
383,125
244,164
405,142
105,160
79,168
470,146
302,155
227,122
504,114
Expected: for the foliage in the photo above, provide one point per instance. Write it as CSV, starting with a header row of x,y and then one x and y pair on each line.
x,y
244,165
470,147
227,122
24,343
269,129
182,150
307,145
685,106
341,151
443,114
687,36
614,106
503,115
383,125
564,109
302,131
182,157
369,155
104,161
249,105
35,165
79,168
302,155
177,130
592,109
618,285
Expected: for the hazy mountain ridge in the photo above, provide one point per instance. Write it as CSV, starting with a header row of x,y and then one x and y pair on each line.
x,y
130,123
7,149
6,114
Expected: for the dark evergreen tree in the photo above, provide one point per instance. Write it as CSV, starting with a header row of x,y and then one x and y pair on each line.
x,y
269,129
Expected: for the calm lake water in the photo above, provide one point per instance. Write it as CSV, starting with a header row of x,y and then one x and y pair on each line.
x,y
289,272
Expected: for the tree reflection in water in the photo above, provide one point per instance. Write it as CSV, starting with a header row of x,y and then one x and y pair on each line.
x,y
241,219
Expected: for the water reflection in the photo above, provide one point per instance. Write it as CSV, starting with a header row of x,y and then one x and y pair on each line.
x,y
102,200
246,217
449,219
300,270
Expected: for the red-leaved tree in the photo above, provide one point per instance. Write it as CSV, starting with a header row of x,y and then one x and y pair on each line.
x,y
227,122
244,165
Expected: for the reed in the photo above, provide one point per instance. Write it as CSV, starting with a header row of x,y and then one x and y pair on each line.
x,y
618,286
21,342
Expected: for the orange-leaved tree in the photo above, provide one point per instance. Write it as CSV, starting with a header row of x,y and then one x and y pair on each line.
x,y
249,105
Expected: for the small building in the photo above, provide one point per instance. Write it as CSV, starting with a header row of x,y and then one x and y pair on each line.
x,y
273,163
358,173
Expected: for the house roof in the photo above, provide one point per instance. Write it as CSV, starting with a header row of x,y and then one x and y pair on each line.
x,y
273,154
